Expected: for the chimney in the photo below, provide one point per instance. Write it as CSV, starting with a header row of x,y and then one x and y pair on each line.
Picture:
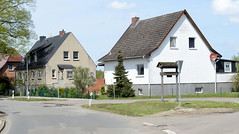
x,y
42,38
61,32
135,20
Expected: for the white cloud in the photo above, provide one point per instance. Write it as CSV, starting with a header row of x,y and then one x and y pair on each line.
x,y
225,7
234,19
121,5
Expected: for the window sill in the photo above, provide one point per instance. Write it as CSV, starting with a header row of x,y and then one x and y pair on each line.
x,y
140,76
10,70
66,59
173,48
192,48
76,59
53,77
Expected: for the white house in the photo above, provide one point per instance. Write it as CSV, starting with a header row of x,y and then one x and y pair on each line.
x,y
168,38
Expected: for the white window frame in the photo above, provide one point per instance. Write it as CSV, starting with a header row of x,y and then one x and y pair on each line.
x,y
199,92
170,42
53,72
33,75
70,78
39,74
77,55
194,41
140,91
137,68
10,69
230,66
67,56
20,75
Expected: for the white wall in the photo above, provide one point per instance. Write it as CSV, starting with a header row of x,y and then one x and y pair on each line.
x,y
131,67
197,67
224,77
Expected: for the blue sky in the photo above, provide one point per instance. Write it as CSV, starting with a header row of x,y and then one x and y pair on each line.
x,y
98,24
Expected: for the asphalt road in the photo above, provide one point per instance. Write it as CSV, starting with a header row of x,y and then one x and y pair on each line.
x,y
50,118
67,117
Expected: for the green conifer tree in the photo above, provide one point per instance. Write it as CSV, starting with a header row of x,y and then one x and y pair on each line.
x,y
123,87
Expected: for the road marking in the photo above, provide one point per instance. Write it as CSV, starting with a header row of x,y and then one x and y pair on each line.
x,y
169,131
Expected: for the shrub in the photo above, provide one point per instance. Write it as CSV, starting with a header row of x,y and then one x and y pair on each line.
x,y
43,86
75,93
102,90
110,91
3,87
235,79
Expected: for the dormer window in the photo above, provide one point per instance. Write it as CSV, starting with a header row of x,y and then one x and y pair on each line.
x,y
66,55
35,57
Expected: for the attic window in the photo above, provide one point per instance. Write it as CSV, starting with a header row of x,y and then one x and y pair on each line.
x,y
66,55
173,42
10,67
191,42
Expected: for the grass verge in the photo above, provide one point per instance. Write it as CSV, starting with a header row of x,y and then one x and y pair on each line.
x,y
227,95
142,108
33,99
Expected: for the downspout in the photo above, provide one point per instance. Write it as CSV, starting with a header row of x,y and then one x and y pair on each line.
x,y
45,74
149,84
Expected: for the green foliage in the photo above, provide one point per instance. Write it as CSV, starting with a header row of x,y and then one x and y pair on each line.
x,y
43,86
235,79
82,78
110,91
99,74
102,90
3,87
18,82
236,58
75,93
15,25
123,87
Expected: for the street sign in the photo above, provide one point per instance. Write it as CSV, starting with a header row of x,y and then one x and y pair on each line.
x,y
179,63
213,56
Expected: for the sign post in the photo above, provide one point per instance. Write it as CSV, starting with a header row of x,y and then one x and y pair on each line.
x,y
179,64
214,58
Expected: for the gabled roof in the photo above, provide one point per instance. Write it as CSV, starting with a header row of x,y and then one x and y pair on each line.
x,y
45,50
16,59
147,36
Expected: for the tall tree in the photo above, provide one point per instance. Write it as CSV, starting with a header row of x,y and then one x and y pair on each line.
x,y
15,25
82,78
99,74
235,78
123,87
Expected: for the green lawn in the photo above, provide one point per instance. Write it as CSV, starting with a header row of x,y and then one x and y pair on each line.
x,y
142,108
228,95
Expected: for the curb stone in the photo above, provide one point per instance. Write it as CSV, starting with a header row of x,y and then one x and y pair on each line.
x,y
2,125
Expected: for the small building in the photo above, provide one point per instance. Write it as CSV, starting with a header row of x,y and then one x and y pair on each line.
x,y
7,69
168,38
51,61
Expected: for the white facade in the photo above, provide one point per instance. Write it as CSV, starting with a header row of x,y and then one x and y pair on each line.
x,y
197,67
